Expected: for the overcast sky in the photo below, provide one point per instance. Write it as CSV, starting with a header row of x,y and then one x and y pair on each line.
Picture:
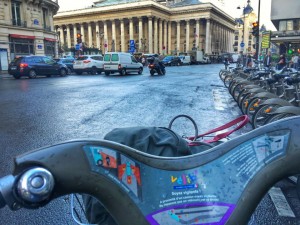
x,y
230,7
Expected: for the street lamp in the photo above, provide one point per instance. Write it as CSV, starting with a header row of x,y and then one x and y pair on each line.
x,y
246,10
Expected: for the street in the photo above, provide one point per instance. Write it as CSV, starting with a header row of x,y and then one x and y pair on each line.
x,y
44,111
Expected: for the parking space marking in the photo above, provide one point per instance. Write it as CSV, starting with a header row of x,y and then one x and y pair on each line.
x,y
282,206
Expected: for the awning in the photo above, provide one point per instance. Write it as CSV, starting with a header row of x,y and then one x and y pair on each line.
x,y
50,39
22,36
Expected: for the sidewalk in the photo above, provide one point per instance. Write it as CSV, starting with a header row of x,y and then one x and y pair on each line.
x,y
4,74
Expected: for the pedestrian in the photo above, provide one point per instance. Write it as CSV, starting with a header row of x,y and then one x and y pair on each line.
x,y
295,60
226,63
281,62
249,62
268,60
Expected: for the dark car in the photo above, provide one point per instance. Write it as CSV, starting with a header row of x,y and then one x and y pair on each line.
x,y
67,61
172,61
31,66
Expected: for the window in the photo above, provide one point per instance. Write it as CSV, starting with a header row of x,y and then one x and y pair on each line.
x,y
20,46
107,57
289,25
282,25
115,57
16,15
236,38
45,16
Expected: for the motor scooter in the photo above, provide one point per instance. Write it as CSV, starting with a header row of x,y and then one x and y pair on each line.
x,y
220,186
155,66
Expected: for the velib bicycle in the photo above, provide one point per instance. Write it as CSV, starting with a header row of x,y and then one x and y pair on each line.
x,y
222,185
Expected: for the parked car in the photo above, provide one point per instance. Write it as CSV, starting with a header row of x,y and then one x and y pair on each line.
x,y
185,59
172,61
122,63
32,66
92,64
67,61
205,60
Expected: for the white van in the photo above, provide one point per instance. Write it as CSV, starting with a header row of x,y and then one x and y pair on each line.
x,y
122,63
185,59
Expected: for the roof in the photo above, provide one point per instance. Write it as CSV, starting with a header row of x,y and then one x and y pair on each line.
x,y
185,3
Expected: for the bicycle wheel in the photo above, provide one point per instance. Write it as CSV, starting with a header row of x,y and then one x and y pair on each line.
x,y
276,117
227,80
261,114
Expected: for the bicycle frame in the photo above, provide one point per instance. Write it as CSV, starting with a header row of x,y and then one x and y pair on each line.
x,y
222,185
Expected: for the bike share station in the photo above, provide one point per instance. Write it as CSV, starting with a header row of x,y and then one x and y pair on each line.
x,y
150,189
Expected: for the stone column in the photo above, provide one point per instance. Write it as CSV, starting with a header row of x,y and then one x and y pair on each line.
x,y
75,33
82,32
160,37
105,35
165,36
98,35
122,35
197,34
155,35
178,37
90,34
113,34
68,36
141,33
208,37
62,36
187,36
169,47
131,29
150,35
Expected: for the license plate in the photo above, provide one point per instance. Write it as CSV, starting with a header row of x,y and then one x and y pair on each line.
x,y
13,68
78,63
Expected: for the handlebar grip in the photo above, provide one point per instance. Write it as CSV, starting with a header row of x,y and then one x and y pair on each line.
x,y
6,195
2,201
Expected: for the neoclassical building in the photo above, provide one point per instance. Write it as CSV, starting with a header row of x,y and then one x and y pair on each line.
x,y
154,26
243,33
26,27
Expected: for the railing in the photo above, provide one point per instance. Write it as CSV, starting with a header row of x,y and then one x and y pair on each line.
x,y
47,28
19,23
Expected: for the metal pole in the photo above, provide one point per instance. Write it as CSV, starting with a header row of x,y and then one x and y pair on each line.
x,y
257,39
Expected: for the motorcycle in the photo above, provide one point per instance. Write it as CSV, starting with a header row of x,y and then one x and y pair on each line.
x,y
223,185
156,67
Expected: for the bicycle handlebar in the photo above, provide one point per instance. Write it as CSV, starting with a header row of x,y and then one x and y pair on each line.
x,y
222,185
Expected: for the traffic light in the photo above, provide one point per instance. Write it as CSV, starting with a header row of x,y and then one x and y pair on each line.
x,y
255,29
79,40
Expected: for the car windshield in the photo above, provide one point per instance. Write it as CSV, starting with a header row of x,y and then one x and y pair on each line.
x,y
81,58
17,60
168,58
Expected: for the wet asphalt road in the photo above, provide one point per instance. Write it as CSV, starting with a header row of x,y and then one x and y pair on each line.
x,y
44,111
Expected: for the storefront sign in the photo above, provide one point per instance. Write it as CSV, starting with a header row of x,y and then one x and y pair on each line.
x,y
50,39
21,36
266,39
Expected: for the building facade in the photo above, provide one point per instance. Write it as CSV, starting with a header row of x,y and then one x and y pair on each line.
x,y
26,27
243,34
155,27
286,19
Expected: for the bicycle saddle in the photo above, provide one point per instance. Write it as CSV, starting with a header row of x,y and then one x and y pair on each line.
x,y
220,186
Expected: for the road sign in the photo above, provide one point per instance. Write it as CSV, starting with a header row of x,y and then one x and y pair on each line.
x,y
77,47
242,44
131,43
